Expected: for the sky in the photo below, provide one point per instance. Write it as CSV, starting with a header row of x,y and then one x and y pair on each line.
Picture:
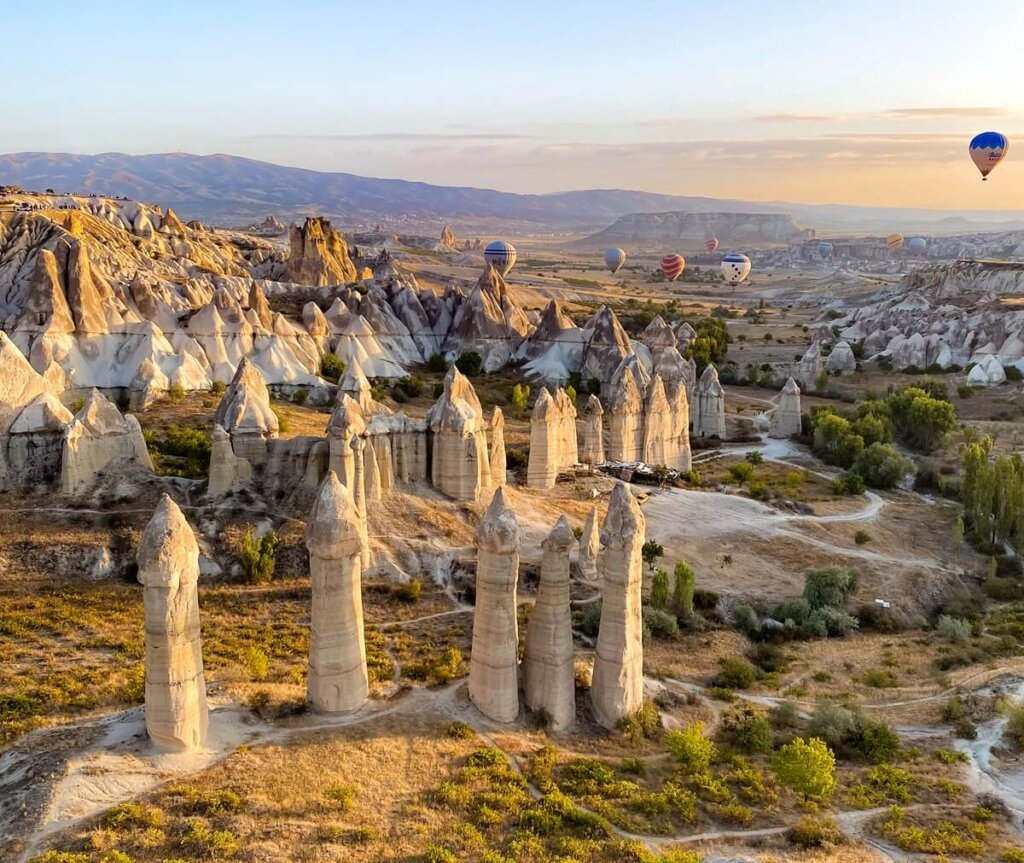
x,y
824,102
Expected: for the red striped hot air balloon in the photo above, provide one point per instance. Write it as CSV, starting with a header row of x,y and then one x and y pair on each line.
x,y
672,266
711,244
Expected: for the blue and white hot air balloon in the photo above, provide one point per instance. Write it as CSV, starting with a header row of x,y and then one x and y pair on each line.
x,y
987,151
825,250
735,268
916,245
614,258
501,255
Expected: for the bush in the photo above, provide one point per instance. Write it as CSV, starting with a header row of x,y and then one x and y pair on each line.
x,y
332,367
409,592
659,590
881,466
745,619
747,730
690,747
807,767
591,620
834,723
299,397
257,556
520,398
470,364
410,385
848,484
862,537
642,725
180,451
754,457
741,471
811,832
659,623
735,673
651,551
682,591
880,678
437,363
956,630
830,586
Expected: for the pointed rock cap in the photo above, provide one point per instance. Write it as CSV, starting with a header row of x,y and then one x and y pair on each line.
x,y
168,553
347,418
553,321
561,537
458,406
491,282
685,332
607,330
625,394
791,388
544,408
564,403
44,414
332,532
100,416
258,303
218,433
657,400
354,380
710,374
624,521
497,419
593,407
245,406
658,334
499,529
314,320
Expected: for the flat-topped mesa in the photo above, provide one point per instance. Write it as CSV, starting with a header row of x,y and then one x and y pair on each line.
x,y
625,419
245,413
100,440
787,421
679,410
568,443
338,678
545,441
499,465
618,686
318,255
494,663
228,472
709,418
590,546
177,716
592,448
549,678
660,441
461,464
346,423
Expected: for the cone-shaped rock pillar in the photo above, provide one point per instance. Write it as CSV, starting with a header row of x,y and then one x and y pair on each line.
x,y
786,420
590,546
618,684
494,665
545,440
592,450
177,716
338,678
548,662
499,466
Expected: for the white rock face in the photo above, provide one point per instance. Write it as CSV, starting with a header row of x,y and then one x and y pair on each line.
x,y
244,413
590,546
811,365
987,373
679,409
661,443
499,466
545,440
548,661
494,664
786,421
177,716
592,449
461,464
841,360
100,440
148,385
618,687
228,472
709,418
625,419
338,677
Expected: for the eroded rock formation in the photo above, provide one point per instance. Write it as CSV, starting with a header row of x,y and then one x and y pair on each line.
x,y
319,255
592,448
786,421
461,463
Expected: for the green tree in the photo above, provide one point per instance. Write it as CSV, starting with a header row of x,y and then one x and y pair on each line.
x,y
682,591
570,391
882,466
332,367
470,364
659,590
520,398
807,767
741,471
437,363
258,556
651,551
690,747
829,587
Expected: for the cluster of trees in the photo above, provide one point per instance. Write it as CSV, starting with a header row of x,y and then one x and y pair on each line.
x,y
819,612
993,496
861,439
710,345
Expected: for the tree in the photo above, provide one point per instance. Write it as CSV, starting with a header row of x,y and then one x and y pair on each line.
x,y
741,471
829,587
470,364
881,466
690,747
807,767
659,590
331,367
520,398
682,591
437,363
570,391
920,420
257,556
651,551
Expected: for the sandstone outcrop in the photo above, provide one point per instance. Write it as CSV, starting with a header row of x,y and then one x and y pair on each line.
x,y
449,242
592,449
488,322
494,663
499,466
545,431
617,688
461,464
318,255
786,421
841,360
677,394
228,472
338,677
244,413
625,419
100,440
549,681
661,443
590,546
709,417
177,716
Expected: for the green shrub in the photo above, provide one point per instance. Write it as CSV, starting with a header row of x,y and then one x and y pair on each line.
x,y
180,451
956,630
682,591
741,471
651,551
807,767
747,730
690,747
848,484
409,592
815,832
659,590
300,397
258,556
659,623
880,678
830,586
882,466
470,364
332,367
735,673
862,537
341,797
642,725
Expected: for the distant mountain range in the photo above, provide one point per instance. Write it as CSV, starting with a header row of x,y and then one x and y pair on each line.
x,y
227,189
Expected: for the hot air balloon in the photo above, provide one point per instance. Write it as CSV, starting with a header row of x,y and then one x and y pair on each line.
x,y
894,242
502,255
917,245
711,244
735,268
825,250
987,151
614,258
672,266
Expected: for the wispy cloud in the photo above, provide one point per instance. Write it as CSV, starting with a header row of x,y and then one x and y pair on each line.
x,y
398,136
796,118
926,113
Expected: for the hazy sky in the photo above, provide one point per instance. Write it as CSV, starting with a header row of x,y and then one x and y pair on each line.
x,y
865,102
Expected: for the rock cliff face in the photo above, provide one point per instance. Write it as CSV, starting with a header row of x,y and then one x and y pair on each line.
x,y
653,229
177,717
318,255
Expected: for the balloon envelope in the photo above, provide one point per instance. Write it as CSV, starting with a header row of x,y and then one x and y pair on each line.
x,y
735,267
711,244
502,255
987,151
825,249
614,258
672,266
917,245
895,242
